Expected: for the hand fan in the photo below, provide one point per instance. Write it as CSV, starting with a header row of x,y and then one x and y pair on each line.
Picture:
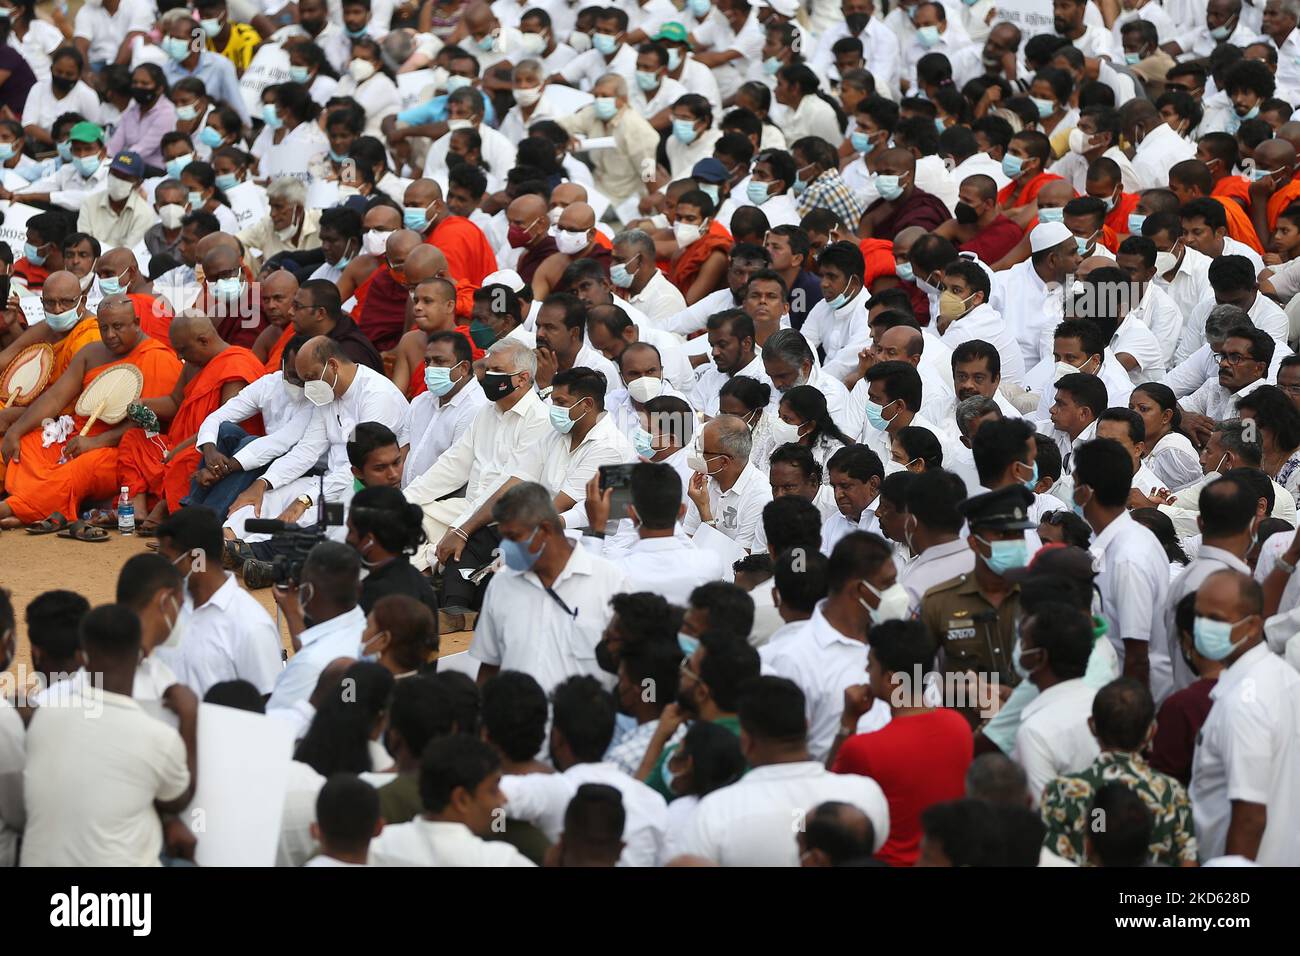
x,y
27,375
110,394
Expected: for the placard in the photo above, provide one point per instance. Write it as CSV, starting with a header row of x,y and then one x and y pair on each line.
x,y
248,203
1031,16
270,66
414,88
322,194
14,229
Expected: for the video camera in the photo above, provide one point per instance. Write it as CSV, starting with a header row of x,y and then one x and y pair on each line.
x,y
293,542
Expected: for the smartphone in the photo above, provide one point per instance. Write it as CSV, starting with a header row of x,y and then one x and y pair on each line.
x,y
619,478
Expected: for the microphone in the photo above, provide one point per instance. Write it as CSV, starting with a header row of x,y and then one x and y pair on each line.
x,y
266,526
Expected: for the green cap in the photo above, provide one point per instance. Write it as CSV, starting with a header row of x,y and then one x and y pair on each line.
x,y
673,32
86,132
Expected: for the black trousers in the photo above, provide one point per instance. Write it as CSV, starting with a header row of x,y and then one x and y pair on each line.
x,y
457,592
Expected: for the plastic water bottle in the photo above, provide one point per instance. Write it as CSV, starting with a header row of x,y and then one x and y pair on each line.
x,y
125,513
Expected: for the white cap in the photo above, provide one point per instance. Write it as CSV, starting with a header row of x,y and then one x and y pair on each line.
x,y
511,278
1047,235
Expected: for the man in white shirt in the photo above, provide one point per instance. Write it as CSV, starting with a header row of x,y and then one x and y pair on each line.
x,y
323,615
100,29
611,329
1054,738
1243,367
1095,136
1246,769
789,362
1078,346
1133,575
935,524
609,54
1155,310
1181,271
838,324
753,822
965,314
660,560
544,612
1091,41
1158,146
441,415
1232,281
101,807
633,272
460,787
880,46
731,341
225,634
727,493
1028,296
581,729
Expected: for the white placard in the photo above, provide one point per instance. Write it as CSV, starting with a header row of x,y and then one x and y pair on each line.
x,y
1031,16
248,203
33,310
596,142
414,88
270,65
14,229
322,194
243,776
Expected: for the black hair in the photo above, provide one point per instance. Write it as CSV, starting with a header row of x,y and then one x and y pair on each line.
x,y
900,381
997,444
239,694
1065,633
1106,467
772,709
194,529
347,811
932,498
338,738
799,576
730,608
142,577
728,663
1122,712
856,461
111,630
1160,524
791,522
453,762
514,713
1125,840
856,556
584,712
366,438
903,646
716,759
385,513
966,830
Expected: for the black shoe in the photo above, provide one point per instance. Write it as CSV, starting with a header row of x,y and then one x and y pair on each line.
x,y
258,574
234,553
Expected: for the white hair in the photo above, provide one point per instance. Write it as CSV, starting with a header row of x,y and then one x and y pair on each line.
x,y
522,357
287,187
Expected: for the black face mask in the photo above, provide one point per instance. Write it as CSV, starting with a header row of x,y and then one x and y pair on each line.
x,y
497,385
966,214
142,96
313,27
62,84
856,22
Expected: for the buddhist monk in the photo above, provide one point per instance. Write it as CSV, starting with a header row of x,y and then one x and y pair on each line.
x,y
434,310
277,291
470,257
119,271
1275,189
381,315
577,224
53,482
228,295
215,372
377,225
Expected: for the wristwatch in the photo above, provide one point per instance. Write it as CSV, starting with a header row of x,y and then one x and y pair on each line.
x,y
304,500
1284,564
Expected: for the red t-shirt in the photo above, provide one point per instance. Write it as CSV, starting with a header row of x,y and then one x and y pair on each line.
x,y
1179,722
918,761
994,242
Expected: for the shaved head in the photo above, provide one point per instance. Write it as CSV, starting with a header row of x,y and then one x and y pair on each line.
x,y
422,192
1093,262
116,261
281,280
221,258
567,193
1291,133
63,285
905,238
578,217
1275,154
527,208
424,262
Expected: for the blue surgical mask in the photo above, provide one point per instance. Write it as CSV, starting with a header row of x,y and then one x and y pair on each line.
x,y
772,65
876,416
1032,481
604,43
175,166
561,421
710,190
1082,244
1005,556
299,74
904,271
33,254
338,157
87,165
889,187
1132,59
62,321
112,285
455,83
228,289
196,201
620,276
641,443
270,117
928,36
178,48
674,58
799,187
209,137
188,112
227,181
939,126
1213,638
1011,165
7,152
757,192
1045,107
685,130
1223,32
843,299
646,81
687,643
358,34
487,43
1135,220
606,108
516,553
438,380
861,142
1051,214
701,8
416,219
1251,114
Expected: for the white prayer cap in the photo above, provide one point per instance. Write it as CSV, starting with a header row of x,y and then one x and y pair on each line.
x,y
1047,235
511,278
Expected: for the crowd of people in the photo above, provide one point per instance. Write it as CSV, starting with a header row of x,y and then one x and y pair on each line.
x,y
854,434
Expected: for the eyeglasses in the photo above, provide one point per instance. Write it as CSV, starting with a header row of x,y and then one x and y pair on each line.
x,y
1233,358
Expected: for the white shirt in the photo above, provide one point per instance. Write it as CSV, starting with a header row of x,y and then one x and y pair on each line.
x,y
498,153
934,565
1161,315
696,317
932,177
1153,13
586,68
98,809
321,643
1264,314
823,662
1231,247
523,627
1133,580
880,48
672,567
13,756
515,128
659,300
562,469
980,164
424,842
1217,402
1135,339
1249,750
1190,285
370,398
1054,738
812,117
711,380
266,396
1160,149
985,323
1074,167
1175,675
841,333
229,637
1174,462
738,511
1029,308
715,33
105,31
542,798
663,97
437,424
752,822
43,107
67,188
377,96
301,147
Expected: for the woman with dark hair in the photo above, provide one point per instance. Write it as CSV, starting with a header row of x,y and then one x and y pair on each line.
x,y
1170,454
707,759
802,417
60,91
808,111
401,633
203,194
747,398
914,449
386,529
150,115
1162,527
756,97
370,83
36,39
309,67
344,736
1064,527
291,140
1278,422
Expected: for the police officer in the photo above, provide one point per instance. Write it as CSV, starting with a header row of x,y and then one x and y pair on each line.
x,y
974,615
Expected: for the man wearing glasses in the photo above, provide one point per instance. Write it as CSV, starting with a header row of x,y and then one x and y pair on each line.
x,y
317,310
1243,365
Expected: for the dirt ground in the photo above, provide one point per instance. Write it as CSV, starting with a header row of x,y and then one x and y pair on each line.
x,y
32,564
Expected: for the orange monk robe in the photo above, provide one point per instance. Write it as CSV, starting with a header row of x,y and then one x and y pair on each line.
x,y
140,460
1233,187
878,256
417,384
685,269
603,240
1023,194
469,256
38,485
1280,200
1239,225
277,350
79,336
155,316
1116,224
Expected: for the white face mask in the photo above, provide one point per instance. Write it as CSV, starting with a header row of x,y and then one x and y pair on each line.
x,y
686,234
361,70
287,233
528,96
119,189
571,243
893,603
318,391
645,388
171,215
783,433
554,214
295,392
375,241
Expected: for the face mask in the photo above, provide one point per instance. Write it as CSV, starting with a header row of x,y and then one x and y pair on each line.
x,y
1032,481
1257,174
605,43
210,138
1078,141
561,421
1135,220
700,8
270,117
87,166
674,58
1214,638
119,189
1084,244
532,43
528,96
177,48
684,130
904,271
1166,262
62,85
606,107
112,285
65,150
86,280
318,391
1079,508
299,74
697,462
966,214
889,187
876,416
687,233
893,603
497,385
355,34
294,392
1051,214
6,152
361,70
710,190
516,553
1223,32
187,113
1021,670
953,306
211,27
415,219
620,276
772,65
174,166
517,237
1011,166
757,192
228,289
843,299
1251,114
438,380
1045,107
1132,59
928,36
571,243
783,433
375,241
643,389
33,254
487,43
643,442
861,142
62,321
455,83
856,22
1005,556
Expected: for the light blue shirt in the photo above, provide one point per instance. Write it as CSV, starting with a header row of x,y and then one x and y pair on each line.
x,y
338,637
218,76
435,111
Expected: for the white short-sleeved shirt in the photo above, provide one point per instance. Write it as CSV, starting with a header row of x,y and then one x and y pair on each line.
x,y
106,31
436,425
229,637
424,842
13,757
1054,738
321,643
738,511
1133,580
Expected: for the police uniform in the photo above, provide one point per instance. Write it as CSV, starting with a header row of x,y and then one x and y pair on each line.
x,y
973,633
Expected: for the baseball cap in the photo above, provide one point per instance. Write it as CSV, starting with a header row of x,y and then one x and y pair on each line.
x,y
709,170
506,277
129,164
86,132
673,32
1048,235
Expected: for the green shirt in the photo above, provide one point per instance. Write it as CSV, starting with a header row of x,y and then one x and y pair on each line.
x,y
1067,799
657,780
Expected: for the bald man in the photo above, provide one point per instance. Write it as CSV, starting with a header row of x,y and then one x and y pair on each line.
x,y
379,222
469,255
1275,188
979,225
562,196
433,309
528,230
119,271
47,481
575,239
228,295
162,467
277,291
900,204
1053,196
384,298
